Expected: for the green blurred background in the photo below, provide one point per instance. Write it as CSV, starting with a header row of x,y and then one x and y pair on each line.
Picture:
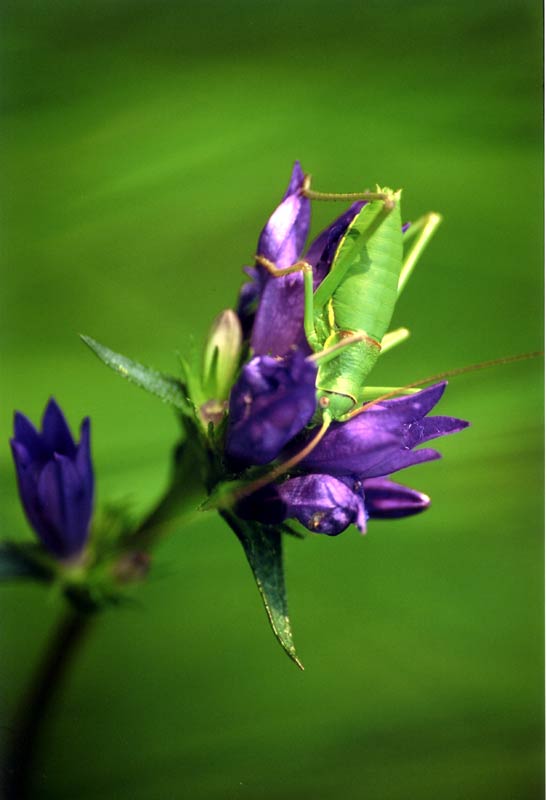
x,y
143,146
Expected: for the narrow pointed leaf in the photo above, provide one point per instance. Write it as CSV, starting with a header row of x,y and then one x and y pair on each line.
x,y
262,545
166,387
23,560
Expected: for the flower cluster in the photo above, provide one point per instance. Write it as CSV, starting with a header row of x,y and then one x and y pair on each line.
x,y
273,406
264,413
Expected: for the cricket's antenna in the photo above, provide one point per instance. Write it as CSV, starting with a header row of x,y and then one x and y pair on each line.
x,y
443,375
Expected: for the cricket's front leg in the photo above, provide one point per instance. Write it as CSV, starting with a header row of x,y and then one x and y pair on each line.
x,y
422,230
278,272
385,196
307,270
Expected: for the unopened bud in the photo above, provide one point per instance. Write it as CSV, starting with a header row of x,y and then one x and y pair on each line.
x,y
222,355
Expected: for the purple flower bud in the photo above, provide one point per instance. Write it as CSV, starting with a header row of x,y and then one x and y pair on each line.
x,y
55,479
279,323
270,403
385,499
286,231
279,317
322,504
381,440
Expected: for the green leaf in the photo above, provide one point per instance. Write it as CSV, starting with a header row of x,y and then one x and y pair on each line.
x,y
262,545
23,560
166,387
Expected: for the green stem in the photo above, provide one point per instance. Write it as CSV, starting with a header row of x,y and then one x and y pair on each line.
x,y
170,510
179,504
38,701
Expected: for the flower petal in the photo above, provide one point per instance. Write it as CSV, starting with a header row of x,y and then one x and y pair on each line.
x,y
296,180
385,499
27,473
51,509
25,433
400,459
84,465
428,428
286,231
55,431
279,321
77,507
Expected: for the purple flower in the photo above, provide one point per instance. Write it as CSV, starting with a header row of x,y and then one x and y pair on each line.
x,y
271,309
270,403
325,504
55,479
279,316
382,439
344,479
346,474
281,241
286,231
322,504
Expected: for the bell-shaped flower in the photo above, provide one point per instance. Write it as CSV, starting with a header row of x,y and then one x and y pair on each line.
x,y
55,479
325,504
382,439
286,231
272,401
278,321
346,480
322,504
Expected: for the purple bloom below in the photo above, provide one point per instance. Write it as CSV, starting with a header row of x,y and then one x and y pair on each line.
x,y
346,472
320,502
381,440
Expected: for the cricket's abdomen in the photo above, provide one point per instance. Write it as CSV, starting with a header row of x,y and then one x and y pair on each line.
x,y
340,380
365,300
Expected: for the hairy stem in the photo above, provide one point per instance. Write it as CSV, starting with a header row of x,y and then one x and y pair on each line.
x,y
25,733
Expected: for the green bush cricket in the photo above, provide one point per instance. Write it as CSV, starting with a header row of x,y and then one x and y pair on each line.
x,y
346,319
